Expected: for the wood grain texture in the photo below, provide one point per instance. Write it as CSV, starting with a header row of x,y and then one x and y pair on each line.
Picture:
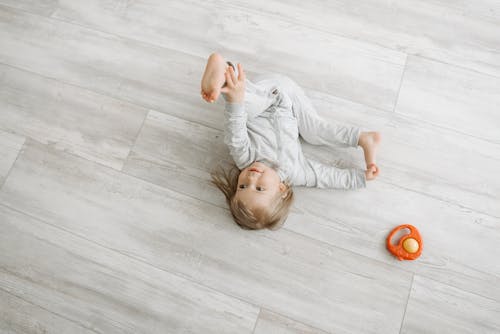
x,y
105,291
348,68
442,163
451,97
270,322
180,155
10,146
149,76
282,271
20,316
69,118
422,157
41,7
461,33
110,225
188,152
438,308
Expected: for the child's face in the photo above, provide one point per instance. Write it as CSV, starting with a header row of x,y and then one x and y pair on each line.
x,y
258,185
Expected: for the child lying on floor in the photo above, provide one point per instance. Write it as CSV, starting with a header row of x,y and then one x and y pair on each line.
x,y
263,120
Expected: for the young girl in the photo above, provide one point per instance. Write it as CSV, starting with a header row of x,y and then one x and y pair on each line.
x,y
263,120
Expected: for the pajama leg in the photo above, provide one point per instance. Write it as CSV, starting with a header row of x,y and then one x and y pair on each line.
x,y
312,127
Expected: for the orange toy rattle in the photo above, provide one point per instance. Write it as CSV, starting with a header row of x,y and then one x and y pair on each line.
x,y
409,247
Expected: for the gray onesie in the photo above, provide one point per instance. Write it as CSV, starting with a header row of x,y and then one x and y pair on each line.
x,y
266,128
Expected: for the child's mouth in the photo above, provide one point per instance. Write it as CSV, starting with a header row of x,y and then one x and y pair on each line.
x,y
253,169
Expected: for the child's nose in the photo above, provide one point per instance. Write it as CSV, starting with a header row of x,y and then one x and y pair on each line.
x,y
254,175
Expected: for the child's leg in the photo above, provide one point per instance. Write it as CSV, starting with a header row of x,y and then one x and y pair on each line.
x,y
312,127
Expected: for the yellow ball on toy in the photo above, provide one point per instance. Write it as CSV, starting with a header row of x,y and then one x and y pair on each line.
x,y
410,245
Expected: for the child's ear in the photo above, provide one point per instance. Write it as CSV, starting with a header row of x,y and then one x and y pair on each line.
x,y
283,190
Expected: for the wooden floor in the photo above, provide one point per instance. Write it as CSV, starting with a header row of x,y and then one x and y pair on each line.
x,y
108,222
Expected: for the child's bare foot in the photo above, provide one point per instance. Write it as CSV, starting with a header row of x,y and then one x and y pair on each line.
x,y
213,78
369,141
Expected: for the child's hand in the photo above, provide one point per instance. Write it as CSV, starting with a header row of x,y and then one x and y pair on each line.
x,y
235,87
372,172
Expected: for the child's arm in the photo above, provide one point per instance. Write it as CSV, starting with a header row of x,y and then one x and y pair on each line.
x,y
333,177
236,134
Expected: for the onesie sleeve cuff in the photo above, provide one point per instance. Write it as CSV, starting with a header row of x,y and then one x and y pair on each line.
x,y
236,109
360,178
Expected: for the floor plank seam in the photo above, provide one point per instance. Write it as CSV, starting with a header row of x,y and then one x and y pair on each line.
x,y
49,311
297,321
137,259
109,162
198,56
149,108
226,5
461,67
109,96
226,209
135,142
104,94
362,41
325,31
400,84
256,320
122,37
77,24
415,119
290,231
407,302
327,243
214,289
74,155
140,260
15,161
463,207
66,83
488,297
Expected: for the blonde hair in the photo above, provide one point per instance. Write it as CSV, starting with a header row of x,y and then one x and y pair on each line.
x,y
271,218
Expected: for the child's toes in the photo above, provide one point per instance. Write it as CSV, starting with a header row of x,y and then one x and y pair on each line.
x,y
374,169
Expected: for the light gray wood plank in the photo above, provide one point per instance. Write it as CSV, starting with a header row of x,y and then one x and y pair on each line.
x,y
178,154
438,308
149,76
456,32
349,68
105,291
19,316
339,51
10,146
41,7
441,163
419,165
359,220
422,157
93,126
270,322
451,97
283,271
488,10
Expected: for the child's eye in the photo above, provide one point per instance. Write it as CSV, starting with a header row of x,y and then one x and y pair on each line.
x,y
242,186
259,189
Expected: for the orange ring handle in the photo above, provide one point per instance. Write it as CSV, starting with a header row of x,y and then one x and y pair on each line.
x,y
398,250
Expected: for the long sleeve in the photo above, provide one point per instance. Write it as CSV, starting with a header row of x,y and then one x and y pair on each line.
x,y
332,177
236,134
